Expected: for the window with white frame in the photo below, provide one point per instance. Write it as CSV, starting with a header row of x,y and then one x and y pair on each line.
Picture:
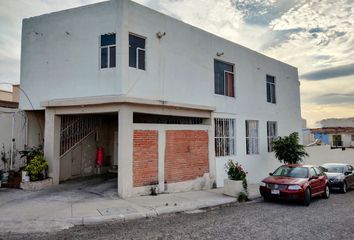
x,y
108,51
272,134
252,137
271,97
224,78
136,52
224,137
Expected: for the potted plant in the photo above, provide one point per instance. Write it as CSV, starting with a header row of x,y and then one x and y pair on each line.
x,y
236,182
29,153
37,168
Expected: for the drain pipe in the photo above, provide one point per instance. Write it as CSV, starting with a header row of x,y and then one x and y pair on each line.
x,y
12,141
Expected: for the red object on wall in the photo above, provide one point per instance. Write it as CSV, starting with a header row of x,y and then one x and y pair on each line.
x,y
99,158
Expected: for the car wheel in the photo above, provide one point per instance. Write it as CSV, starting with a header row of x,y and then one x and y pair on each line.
x,y
307,197
326,192
345,187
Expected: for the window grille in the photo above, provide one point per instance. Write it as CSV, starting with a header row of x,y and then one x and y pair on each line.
x,y
224,137
272,134
252,137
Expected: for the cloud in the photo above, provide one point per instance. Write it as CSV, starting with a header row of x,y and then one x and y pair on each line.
x,y
317,28
328,73
334,98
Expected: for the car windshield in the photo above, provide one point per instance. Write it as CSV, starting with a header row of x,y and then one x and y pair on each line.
x,y
334,169
295,172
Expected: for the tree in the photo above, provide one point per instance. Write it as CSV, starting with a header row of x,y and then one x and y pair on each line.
x,y
288,149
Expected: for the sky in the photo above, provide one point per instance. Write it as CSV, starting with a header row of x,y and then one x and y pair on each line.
x,y
316,36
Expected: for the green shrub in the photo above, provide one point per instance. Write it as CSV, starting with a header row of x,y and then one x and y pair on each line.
x,y
242,197
37,167
288,149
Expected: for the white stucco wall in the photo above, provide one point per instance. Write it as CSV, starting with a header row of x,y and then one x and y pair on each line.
x,y
60,54
319,155
179,68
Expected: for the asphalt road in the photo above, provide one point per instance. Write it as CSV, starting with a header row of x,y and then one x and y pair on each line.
x,y
323,219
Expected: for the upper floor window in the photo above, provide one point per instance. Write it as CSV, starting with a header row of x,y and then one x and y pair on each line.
x,y
224,137
252,137
108,50
136,52
224,78
271,97
272,134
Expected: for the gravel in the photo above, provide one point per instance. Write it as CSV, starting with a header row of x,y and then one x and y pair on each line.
x,y
323,219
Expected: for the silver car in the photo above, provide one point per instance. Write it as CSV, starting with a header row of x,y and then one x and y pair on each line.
x,y
340,176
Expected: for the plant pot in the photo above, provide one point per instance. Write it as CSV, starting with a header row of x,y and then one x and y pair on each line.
x,y
23,175
5,177
233,187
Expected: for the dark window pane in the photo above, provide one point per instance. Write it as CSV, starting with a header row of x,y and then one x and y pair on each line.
x,y
104,57
132,57
272,88
270,79
112,57
141,59
108,39
268,93
136,42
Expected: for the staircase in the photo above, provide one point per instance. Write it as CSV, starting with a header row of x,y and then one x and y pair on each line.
x,y
74,129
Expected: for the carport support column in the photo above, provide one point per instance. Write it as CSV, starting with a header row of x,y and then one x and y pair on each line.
x,y
52,144
125,152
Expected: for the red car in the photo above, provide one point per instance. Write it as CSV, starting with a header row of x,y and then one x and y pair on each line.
x,y
295,182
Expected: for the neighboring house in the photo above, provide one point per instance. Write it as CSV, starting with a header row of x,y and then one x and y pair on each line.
x,y
13,125
169,103
336,137
333,141
10,99
338,133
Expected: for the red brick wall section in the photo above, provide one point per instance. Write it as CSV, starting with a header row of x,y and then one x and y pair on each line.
x,y
145,158
186,155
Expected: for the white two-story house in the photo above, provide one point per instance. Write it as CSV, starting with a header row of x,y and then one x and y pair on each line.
x,y
167,103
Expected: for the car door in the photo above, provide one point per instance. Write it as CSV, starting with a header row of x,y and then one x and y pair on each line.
x,y
350,177
322,178
315,183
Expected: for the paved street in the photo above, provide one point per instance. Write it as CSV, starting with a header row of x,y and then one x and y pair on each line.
x,y
323,219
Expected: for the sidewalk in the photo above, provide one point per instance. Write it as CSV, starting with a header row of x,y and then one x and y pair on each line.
x,y
56,209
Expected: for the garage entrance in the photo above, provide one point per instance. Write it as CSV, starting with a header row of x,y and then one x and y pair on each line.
x,y
84,139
